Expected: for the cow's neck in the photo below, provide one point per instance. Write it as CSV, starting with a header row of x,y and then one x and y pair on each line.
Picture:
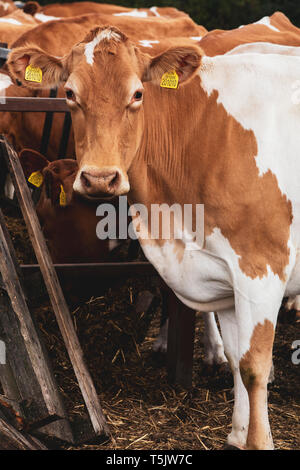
x,y
163,169
194,152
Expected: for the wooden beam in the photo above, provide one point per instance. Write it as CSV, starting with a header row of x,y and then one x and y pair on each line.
x,y
57,299
99,270
29,104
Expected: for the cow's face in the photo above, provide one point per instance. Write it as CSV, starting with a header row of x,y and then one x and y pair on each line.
x,y
57,177
103,79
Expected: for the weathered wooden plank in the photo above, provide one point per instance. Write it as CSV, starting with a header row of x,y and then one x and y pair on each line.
x,y
29,104
181,334
57,299
99,270
12,439
34,379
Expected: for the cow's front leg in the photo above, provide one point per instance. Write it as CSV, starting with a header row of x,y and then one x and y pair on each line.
x,y
255,322
240,418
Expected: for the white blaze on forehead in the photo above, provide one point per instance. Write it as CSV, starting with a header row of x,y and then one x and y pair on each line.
x,y
90,46
44,18
135,12
154,10
196,38
146,43
9,20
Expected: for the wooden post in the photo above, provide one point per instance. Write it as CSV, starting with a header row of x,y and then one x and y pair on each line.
x,y
181,334
28,376
57,299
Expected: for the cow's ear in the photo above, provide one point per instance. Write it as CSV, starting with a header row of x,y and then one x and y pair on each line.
x,y
31,8
183,60
32,161
35,68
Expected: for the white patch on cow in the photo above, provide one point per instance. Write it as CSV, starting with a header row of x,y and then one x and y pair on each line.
x,y
266,21
45,18
154,11
90,47
293,303
10,20
263,87
4,5
5,82
264,48
147,43
200,279
258,81
196,38
136,13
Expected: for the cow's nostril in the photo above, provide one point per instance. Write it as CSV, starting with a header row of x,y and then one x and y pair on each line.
x,y
114,180
85,181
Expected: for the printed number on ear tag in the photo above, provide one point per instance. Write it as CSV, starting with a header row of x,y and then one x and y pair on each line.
x,y
33,74
62,196
36,178
169,80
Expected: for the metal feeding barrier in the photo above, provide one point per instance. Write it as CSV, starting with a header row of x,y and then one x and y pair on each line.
x,y
30,390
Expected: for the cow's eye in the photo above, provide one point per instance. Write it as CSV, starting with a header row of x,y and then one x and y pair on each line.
x,y
70,95
138,95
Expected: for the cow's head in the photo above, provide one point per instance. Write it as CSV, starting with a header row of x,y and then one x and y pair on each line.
x,y
55,178
103,78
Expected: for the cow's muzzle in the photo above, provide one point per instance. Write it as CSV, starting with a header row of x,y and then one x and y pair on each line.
x,y
101,184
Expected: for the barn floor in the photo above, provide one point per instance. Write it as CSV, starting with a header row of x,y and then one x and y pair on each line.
x,y
143,411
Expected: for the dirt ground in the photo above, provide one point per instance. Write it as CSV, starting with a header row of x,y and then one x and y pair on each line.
x,y
143,410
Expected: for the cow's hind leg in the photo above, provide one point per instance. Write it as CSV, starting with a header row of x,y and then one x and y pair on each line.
x,y
214,355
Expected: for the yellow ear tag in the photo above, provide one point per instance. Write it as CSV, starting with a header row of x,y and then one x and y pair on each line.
x,y
36,178
169,80
62,196
33,74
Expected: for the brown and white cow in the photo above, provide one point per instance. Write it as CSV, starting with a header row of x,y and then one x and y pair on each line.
x,y
67,220
14,25
58,10
58,36
219,140
276,29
